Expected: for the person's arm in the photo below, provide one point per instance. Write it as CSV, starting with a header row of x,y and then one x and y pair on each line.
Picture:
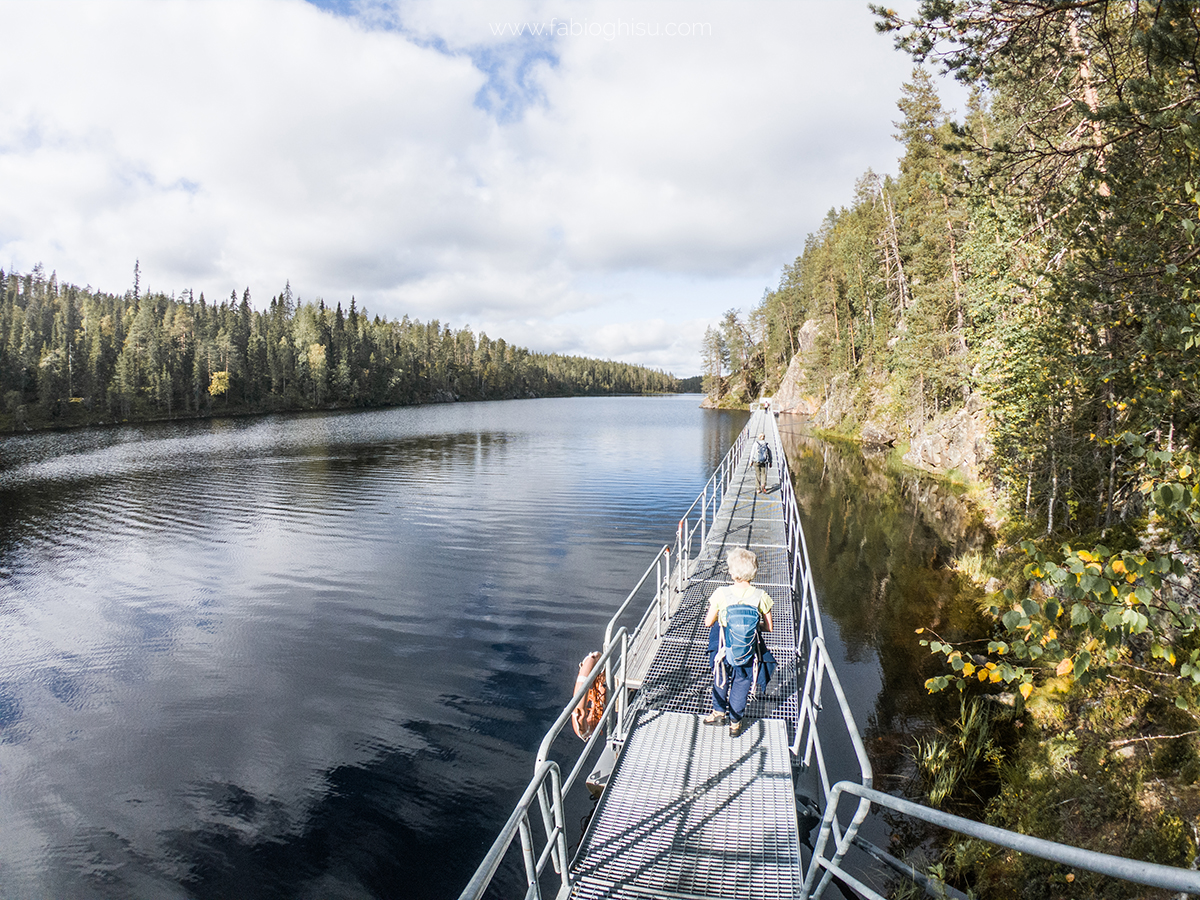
x,y
768,625
711,616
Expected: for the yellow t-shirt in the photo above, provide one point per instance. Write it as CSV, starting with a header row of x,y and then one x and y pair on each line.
x,y
733,594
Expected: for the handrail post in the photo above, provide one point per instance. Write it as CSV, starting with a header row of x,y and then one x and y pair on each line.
x,y
681,553
609,688
685,562
560,825
546,804
658,595
623,699
666,587
530,858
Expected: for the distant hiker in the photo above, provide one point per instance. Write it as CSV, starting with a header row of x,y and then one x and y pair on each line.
x,y
760,455
736,614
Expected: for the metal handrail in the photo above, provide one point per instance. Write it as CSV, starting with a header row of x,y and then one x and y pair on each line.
x,y
654,564
518,823
709,499
548,789
803,587
606,726
1170,878
819,671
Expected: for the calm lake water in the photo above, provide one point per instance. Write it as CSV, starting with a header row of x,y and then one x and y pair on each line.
x,y
312,656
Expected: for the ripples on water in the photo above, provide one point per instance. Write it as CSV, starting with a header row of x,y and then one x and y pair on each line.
x,y
309,656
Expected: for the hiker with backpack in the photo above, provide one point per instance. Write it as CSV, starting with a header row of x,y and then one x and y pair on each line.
x,y
736,613
760,454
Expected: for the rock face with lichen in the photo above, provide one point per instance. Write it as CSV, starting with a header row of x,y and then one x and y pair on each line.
x,y
953,442
958,441
875,434
791,397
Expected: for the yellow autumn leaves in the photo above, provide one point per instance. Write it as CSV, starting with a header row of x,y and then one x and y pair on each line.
x,y
219,384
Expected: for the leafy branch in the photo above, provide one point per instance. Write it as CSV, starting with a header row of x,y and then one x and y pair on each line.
x,y
1085,606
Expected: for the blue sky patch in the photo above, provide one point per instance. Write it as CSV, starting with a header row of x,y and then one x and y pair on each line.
x,y
337,7
511,87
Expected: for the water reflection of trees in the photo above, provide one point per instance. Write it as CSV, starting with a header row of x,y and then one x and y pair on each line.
x,y
721,426
882,541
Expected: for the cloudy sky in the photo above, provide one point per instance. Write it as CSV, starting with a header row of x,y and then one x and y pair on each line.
x,y
607,182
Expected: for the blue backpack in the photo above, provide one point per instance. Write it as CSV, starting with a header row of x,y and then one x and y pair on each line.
x,y
740,634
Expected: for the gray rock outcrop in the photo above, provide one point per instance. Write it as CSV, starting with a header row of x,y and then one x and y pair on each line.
x,y
956,442
791,396
875,434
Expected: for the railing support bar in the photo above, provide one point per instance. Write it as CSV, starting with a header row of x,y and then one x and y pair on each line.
x,y
1156,875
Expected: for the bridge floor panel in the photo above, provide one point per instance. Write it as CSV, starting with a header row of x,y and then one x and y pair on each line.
x,y
764,525
680,677
689,629
728,532
691,812
681,680
743,533
766,506
772,565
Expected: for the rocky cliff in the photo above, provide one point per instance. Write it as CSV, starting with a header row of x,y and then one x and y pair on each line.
x,y
956,441
791,396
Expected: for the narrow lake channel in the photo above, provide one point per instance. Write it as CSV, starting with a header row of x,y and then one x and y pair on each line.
x,y
312,656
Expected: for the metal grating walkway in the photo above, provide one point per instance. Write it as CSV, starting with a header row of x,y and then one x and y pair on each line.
x,y
690,812
679,678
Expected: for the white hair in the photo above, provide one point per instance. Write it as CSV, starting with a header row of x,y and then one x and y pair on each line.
x,y
742,563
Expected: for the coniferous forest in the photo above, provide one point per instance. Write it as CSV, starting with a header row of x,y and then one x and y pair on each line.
x,y
1039,261
1043,254
71,355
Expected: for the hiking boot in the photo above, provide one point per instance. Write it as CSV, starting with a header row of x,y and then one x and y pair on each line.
x,y
737,727
714,718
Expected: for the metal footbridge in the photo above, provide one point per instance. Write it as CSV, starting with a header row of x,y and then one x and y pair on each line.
x,y
688,812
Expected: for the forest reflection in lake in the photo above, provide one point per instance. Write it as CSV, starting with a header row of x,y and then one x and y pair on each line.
x,y
883,540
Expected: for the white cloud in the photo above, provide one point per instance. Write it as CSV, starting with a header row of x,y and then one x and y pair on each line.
x,y
612,195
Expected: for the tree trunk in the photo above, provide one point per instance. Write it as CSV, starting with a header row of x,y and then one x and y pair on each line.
x,y
1090,97
1053,482
892,250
